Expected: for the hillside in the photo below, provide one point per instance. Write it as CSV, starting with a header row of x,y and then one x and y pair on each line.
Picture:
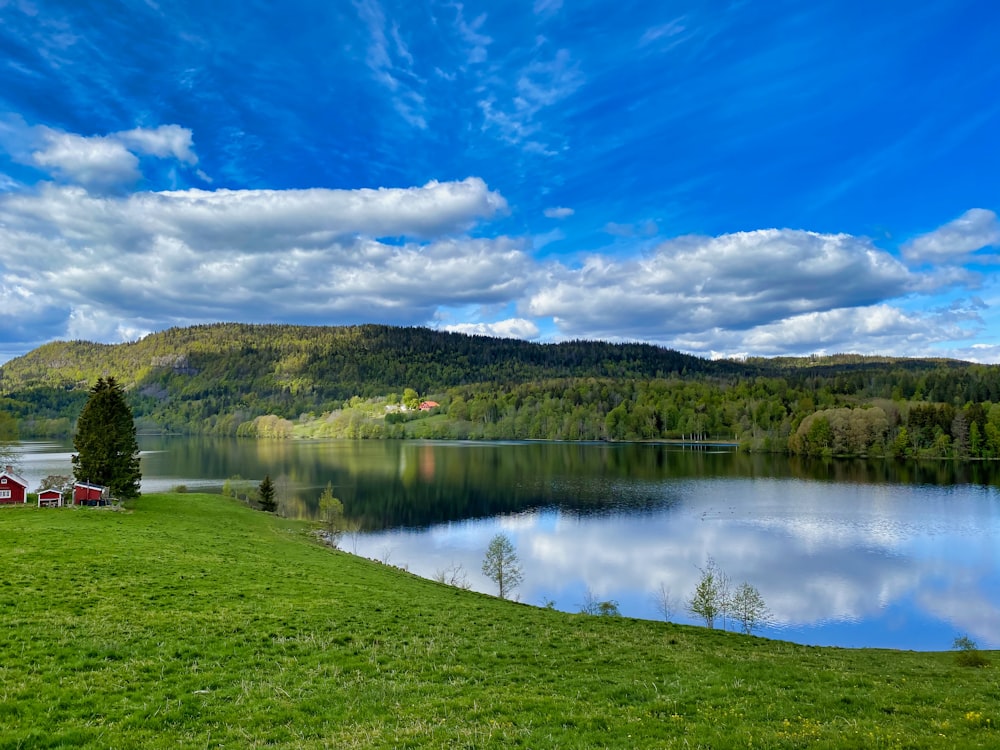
x,y
183,376
192,621
281,381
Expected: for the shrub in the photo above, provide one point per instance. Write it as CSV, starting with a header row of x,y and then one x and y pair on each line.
x,y
967,653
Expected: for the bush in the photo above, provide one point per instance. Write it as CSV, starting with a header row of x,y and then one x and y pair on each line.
x,y
967,653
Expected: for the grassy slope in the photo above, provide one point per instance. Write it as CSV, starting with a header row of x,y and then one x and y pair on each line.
x,y
194,622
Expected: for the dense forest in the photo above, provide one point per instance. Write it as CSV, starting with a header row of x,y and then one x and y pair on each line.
x,y
282,381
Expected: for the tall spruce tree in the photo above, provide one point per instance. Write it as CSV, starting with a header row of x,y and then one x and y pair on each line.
x,y
265,491
107,450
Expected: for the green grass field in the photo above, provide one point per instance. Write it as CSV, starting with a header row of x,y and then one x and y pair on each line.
x,y
190,621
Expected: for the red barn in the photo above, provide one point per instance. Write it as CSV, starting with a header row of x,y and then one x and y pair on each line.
x,y
50,498
13,489
85,493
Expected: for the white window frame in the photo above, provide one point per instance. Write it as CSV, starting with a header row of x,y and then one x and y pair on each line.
x,y
5,494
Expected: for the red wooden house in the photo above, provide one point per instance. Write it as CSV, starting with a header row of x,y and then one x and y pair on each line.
x,y
85,493
51,498
13,489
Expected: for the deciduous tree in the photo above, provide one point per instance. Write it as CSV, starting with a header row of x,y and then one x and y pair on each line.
x,y
748,607
501,565
710,599
331,511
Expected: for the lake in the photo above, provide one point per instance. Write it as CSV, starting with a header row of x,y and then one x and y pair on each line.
x,y
846,553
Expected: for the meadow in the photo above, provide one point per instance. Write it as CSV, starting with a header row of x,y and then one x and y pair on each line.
x,y
189,620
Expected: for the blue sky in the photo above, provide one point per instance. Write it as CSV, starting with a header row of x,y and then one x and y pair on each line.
x,y
723,178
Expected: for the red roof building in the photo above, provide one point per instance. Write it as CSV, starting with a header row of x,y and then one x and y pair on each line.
x,y
13,489
85,493
51,498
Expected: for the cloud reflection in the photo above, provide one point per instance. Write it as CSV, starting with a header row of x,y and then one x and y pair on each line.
x,y
823,555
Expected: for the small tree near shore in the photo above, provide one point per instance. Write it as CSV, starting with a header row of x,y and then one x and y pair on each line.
x,y
748,608
501,565
711,595
331,511
265,492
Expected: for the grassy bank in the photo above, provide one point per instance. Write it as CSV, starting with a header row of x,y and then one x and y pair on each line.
x,y
191,621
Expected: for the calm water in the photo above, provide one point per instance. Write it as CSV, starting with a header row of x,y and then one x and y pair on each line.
x,y
845,553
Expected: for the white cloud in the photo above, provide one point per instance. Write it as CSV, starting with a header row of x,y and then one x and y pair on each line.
x,y
874,329
736,282
559,212
470,32
515,114
113,268
103,162
512,328
392,64
975,229
97,162
164,141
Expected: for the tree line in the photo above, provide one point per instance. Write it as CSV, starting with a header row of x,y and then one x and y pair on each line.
x,y
298,381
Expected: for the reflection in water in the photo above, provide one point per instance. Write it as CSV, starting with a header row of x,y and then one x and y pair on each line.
x,y
844,552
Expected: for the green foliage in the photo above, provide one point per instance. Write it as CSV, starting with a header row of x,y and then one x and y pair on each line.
x,y
748,608
8,437
592,606
265,495
239,488
502,566
272,381
107,452
331,513
967,653
711,598
194,622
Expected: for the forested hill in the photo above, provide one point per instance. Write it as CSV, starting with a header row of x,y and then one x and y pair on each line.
x,y
367,381
182,376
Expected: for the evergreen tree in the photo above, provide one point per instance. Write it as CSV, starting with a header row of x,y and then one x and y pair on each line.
x,y
107,451
266,492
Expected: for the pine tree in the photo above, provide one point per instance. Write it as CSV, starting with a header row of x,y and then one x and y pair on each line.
x,y
107,450
266,492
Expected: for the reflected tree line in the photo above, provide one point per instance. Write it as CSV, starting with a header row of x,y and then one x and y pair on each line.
x,y
391,484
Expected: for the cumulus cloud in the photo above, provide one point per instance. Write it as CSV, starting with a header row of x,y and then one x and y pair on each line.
x,y
735,281
98,162
84,262
975,229
512,328
873,329
104,162
114,268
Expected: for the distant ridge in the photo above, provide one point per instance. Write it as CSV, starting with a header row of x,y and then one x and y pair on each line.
x,y
214,378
